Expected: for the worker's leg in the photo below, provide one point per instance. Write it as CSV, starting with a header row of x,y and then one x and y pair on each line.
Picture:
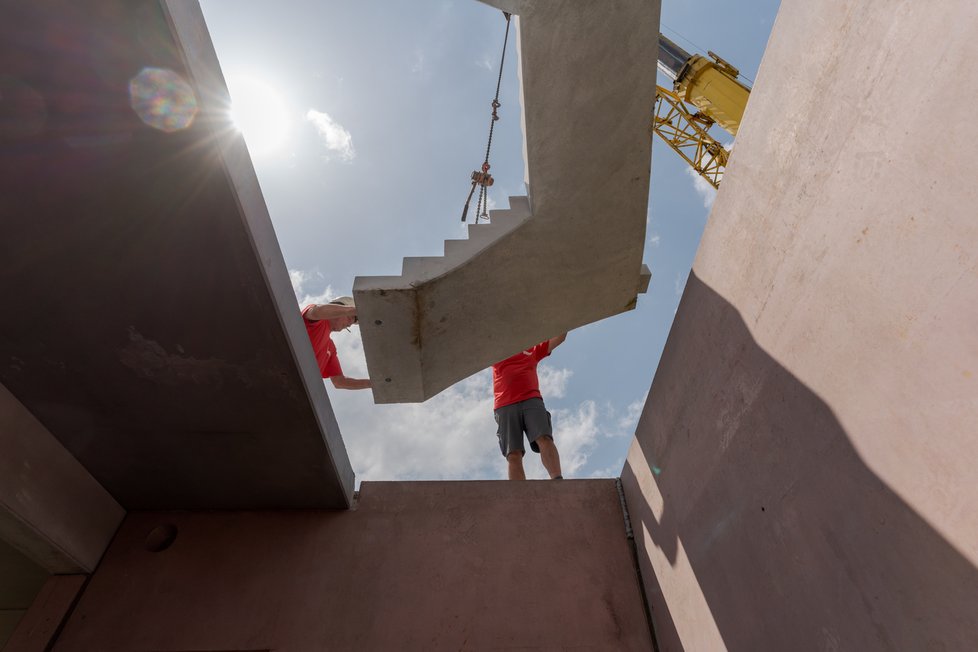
x,y
515,466
549,455
539,430
510,434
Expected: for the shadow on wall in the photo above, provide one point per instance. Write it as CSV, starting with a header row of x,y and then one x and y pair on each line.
x,y
769,531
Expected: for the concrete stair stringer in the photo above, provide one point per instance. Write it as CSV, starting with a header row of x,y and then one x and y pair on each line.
x,y
567,255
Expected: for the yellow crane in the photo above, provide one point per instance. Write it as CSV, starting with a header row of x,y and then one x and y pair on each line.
x,y
706,92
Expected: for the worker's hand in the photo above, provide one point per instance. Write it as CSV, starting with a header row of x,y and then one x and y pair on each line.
x,y
342,382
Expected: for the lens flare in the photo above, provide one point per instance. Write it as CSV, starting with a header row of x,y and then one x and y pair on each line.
x,y
162,99
258,111
23,111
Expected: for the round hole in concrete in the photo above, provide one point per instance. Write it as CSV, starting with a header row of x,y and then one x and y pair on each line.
x,y
161,537
387,380
378,322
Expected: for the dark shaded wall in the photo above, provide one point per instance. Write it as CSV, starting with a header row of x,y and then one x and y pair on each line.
x,y
20,580
128,244
803,473
416,566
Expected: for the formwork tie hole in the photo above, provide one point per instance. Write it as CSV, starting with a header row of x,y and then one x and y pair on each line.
x,y
161,537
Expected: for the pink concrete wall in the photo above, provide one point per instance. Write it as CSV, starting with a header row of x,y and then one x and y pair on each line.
x,y
804,473
416,566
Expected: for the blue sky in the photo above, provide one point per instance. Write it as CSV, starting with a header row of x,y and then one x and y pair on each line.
x,y
364,120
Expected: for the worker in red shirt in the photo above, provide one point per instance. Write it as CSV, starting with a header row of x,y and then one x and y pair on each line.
x,y
321,320
519,408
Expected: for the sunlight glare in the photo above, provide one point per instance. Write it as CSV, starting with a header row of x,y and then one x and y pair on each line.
x,y
259,113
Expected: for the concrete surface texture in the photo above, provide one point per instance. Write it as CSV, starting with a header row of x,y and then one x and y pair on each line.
x,y
149,323
20,581
569,254
41,624
415,566
803,473
51,508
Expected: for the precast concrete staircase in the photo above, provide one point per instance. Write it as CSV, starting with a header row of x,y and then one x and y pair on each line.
x,y
569,253
481,236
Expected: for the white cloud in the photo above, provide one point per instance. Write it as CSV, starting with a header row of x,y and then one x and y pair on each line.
x,y
680,284
418,66
453,435
336,138
553,382
301,281
655,239
351,346
450,436
628,421
484,62
579,432
702,187
576,433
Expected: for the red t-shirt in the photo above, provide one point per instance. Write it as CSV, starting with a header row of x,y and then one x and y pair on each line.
x,y
515,378
322,344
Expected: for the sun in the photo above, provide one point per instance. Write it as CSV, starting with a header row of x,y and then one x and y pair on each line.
x,y
259,113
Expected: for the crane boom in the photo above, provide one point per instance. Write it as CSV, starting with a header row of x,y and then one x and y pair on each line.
x,y
711,85
688,134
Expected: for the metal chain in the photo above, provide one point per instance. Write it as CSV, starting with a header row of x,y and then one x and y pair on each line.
x,y
495,116
478,203
485,179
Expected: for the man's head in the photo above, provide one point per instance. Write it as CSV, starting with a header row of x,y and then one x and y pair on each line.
x,y
339,323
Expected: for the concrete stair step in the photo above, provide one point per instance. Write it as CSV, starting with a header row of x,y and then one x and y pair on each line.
x,y
480,236
458,250
421,266
519,204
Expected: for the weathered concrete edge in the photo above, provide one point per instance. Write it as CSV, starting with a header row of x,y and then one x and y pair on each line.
x,y
189,30
40,626
51,508
509,6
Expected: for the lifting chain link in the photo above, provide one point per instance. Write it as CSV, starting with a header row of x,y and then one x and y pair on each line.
x,y
482,178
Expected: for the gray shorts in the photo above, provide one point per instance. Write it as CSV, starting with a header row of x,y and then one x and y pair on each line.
x,y
529,416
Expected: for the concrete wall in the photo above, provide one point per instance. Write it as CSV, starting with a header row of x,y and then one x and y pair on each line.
x,y
51,508
39,626
153,241
803,475
415,566
20,580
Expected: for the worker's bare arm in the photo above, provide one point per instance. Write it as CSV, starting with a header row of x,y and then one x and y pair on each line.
x,y
329,311
554,342
342,382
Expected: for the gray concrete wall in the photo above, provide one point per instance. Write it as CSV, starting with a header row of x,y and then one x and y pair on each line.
x,y
415,566
803,475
